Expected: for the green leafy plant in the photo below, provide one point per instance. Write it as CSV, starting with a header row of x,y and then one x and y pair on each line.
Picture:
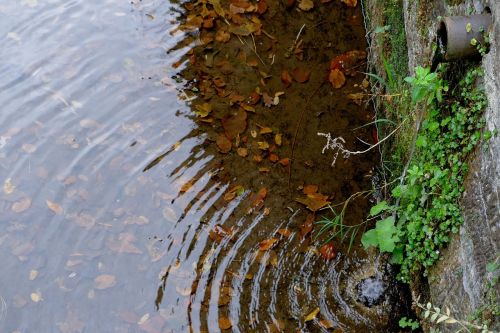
x,y
435,316
409,323
335,225
426,211
425,85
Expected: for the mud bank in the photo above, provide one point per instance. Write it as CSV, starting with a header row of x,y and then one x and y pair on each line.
x,y
460,280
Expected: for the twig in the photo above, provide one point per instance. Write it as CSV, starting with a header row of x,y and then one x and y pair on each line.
x,y
303,112
338,144
290,49
268,34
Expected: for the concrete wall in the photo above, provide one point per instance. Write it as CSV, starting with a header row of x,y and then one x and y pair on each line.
x,y
459,280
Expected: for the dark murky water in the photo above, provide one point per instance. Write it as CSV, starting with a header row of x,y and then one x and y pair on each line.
x,y
118,211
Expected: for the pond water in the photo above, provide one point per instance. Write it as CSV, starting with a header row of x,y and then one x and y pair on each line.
x,y
147,186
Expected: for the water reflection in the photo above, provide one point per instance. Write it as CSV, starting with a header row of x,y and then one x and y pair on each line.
x,y
119,213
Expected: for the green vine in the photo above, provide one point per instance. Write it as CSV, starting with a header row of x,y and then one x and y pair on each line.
x,y
426,210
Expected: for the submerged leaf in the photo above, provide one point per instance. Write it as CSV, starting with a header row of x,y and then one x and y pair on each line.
x,y
268,244
301,75
312,315
57,209
328,251
104,281
223,143
306,5
225,323
336,78
314,201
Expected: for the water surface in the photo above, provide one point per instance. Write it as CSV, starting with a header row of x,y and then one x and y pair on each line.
x,y
120,213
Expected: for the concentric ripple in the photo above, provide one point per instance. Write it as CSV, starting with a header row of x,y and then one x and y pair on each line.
x,y
114,205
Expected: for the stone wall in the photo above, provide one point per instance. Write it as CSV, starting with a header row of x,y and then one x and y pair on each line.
x,y
459,280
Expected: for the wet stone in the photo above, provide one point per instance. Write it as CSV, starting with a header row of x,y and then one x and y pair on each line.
x,y
371,291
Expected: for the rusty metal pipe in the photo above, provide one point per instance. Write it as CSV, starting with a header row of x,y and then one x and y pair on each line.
x,y
456,32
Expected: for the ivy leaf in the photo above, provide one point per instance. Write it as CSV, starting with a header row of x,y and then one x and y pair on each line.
x,y
383,236
386,231
379,208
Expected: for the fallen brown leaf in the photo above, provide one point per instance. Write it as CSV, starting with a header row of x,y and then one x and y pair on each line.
x,y
57,209
223,143
301,75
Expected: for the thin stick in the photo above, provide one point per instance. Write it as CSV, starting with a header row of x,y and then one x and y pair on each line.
x,y
297,132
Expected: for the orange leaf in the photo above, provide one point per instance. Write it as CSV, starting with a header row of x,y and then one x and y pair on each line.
x,y
350,3
310,189
259,198
301,75
286,78
223,143
243,152
267,244
328,251
225,323
284,232
314,201
307,227
262,7
273,158
336,78
54,207
235,124
306,5
284,161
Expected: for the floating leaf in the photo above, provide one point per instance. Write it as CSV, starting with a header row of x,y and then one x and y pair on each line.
x,y
28,148
104,281
223,143
36,296
312,315
268,244
301,75
56,208
328,251
336,78
33,274
8,187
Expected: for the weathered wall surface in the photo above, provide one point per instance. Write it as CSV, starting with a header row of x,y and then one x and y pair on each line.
x,y
459,280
